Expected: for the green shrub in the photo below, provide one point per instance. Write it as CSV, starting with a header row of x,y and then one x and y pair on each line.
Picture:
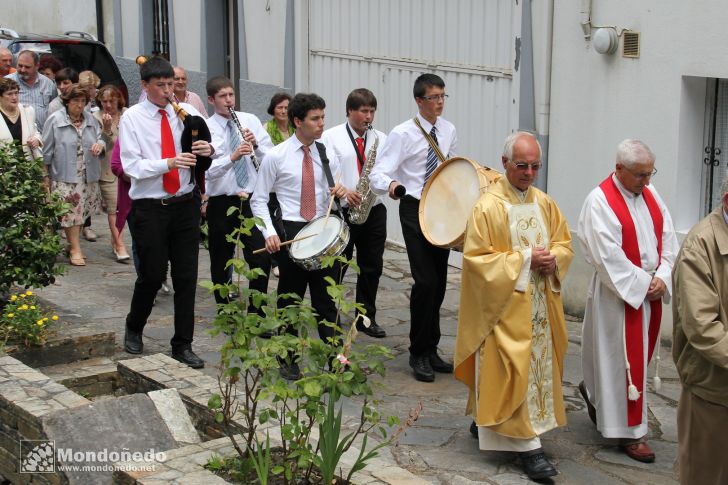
x,y
29,243
253,393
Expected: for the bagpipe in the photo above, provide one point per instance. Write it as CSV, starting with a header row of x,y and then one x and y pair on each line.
x,y
195,128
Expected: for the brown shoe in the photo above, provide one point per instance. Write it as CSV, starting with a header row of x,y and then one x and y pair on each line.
x,y
639,451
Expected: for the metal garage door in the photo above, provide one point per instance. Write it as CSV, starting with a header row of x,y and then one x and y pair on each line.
x,y
384,45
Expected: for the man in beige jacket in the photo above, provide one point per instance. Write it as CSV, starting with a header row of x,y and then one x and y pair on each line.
x,y
700,348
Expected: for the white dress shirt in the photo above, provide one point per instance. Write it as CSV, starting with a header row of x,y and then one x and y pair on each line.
x,y
141,149
404,155
220,177
281,172
337,139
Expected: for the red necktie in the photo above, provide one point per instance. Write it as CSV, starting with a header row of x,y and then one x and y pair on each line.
x,y
308,188
360,147
170,180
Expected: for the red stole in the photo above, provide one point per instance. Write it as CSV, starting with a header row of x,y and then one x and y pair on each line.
x,y
632,317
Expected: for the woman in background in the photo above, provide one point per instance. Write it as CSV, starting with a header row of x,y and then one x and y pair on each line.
x,y
278,127
17,122
112,104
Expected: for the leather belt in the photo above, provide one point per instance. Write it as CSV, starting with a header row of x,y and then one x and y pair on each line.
x,y
168,201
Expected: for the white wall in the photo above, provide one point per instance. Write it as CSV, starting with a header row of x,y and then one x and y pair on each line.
x,y
130,14
48,16
188,28
598,100
265,36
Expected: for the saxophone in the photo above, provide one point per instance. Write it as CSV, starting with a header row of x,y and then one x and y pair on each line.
x,y
359,214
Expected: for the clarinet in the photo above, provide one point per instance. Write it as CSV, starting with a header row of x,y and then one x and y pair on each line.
x,y
235,119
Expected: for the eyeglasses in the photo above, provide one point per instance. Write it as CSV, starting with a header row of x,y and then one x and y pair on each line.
x,y
435,97
642,175
523,166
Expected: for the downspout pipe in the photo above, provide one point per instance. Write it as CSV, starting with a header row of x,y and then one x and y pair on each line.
x,y
586,7
100,21
542,15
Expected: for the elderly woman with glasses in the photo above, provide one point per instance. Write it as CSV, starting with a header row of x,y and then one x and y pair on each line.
x,y
17,122
71,149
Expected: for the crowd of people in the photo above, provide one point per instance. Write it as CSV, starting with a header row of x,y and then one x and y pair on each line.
x,y
512,337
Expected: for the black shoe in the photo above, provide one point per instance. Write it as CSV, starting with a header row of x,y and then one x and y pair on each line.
x,y
290,372
373,330
186,356
423,369
536,466
474,430
439,365
589,406
133,342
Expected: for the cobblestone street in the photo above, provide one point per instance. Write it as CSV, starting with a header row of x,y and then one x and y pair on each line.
x,y
438,448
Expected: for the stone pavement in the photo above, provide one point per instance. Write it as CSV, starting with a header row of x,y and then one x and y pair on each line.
x,y
438,448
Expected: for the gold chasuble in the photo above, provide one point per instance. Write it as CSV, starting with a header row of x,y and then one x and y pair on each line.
x,y
511,323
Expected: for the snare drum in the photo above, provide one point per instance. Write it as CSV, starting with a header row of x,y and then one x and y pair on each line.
x,y
448,200
330,239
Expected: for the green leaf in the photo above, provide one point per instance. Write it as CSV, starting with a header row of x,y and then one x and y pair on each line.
x,y
215,402
312,388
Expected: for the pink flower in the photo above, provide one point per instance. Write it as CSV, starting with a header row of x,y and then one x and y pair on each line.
x,y
342,358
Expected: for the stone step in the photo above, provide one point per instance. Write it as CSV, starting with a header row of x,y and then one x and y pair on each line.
x,y
90,378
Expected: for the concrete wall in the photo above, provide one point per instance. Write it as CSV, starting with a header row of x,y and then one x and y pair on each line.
x,y
187,18
598,100
49,16
265,24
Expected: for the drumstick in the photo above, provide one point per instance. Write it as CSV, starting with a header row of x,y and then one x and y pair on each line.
x,y
286,243
331,202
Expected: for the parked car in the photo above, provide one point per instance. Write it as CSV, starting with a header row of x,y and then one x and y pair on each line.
x,y
79,50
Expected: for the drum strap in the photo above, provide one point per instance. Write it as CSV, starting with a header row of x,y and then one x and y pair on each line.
x,y
429,139
327,170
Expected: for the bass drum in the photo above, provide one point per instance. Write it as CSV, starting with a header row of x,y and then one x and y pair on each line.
x,y
448,200
326,237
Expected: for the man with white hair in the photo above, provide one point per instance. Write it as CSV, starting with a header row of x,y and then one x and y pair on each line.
x,y
700,347
627,235
511,345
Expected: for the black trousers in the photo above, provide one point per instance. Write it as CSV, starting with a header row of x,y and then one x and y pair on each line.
x,y
166,233
428,264
274,207
294,279
369,239
220,224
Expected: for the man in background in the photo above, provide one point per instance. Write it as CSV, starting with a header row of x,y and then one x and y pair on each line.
x,y
700,347
36,90
6,62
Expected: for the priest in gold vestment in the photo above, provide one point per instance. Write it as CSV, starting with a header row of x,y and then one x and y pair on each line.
x,y
512,338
